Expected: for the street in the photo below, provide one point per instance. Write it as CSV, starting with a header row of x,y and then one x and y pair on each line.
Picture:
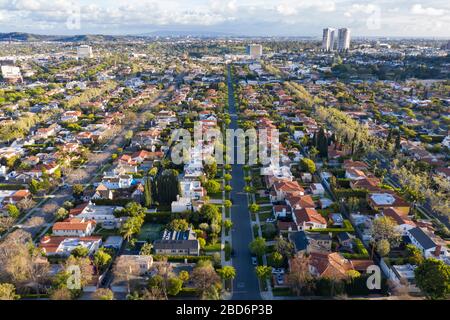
x,y
245,285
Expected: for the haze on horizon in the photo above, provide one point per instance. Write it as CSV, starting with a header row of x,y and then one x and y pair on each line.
x,y
235,17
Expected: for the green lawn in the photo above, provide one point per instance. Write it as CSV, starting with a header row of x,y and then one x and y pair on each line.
x,y
150,232
263,216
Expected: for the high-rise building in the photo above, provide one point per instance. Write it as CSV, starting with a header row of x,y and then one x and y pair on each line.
x,y
343,39
84,51
255,51
328,39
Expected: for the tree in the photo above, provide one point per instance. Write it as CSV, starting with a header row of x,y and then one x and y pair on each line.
x,y
77,190
383,247
61,214
254,208
148,199
228,224
178,225
299,277
13,211
167,186
415,256
101,259
212,186
146,249
22,264
258,246
103,294
210,168
210,213
206,280
227,204
183,276
8,292
61,294
227,274
322,143
276,259
308,165
384,228
80,252
174,286
433,279
284,247
227,177
202,242
263,272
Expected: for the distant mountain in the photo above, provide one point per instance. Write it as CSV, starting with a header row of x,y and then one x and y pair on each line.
x,y
171,33
29,37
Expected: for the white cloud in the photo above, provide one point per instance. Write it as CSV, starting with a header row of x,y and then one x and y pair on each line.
x,y
361,8
429,11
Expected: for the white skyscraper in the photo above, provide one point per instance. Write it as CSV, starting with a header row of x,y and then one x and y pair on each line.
x,y
255,51
84,51
344,39
328,39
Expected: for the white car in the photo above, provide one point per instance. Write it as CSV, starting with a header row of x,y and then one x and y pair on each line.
x,y
271,220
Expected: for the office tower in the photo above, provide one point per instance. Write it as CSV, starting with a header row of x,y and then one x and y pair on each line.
x,y
255,51
84,51
329,39
343,39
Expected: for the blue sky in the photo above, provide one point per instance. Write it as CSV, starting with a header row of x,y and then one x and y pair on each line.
x,y
240,17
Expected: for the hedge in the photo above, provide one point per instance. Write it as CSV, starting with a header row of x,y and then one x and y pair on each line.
x,y
190,259
347,193
107,202
188,292
348,227
5,186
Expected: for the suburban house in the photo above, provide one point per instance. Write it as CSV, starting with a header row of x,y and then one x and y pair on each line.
x,y
403,222
309,218
74,227
192,189
429,248
177,243
308,242
281,189
63,246
136,265
381,201
300,202
334,265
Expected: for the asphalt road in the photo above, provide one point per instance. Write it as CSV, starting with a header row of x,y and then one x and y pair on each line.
x,y
245,285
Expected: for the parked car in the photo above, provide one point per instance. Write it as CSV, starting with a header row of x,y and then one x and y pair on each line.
x,y
271,220
278,270
280,279
254,261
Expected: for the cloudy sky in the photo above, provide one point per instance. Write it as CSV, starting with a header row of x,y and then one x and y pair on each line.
x,y
239,17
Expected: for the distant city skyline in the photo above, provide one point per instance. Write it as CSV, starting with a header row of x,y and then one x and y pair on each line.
x,y
398,18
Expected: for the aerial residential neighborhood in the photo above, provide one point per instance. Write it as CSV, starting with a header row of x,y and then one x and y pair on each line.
x,y
224,167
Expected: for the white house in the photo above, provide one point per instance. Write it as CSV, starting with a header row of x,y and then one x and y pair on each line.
x,y
74,227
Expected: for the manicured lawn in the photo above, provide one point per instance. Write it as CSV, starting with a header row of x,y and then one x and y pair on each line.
x,y
263,216
150,232
212,247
